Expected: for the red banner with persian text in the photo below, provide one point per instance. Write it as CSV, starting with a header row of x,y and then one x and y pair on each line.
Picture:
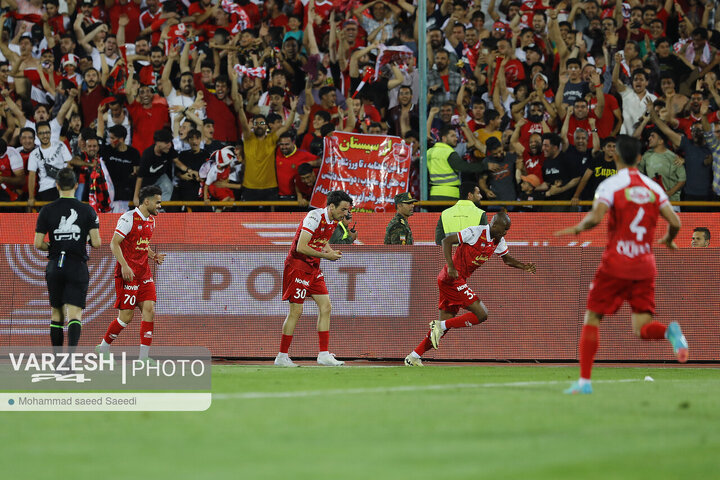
x,y
372,169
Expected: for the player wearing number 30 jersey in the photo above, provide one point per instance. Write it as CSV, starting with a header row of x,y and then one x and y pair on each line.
x,y
627,270
303,278
477,244
134,285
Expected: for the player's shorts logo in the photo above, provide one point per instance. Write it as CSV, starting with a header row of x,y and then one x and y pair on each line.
x,y
29,310
149,280
130,287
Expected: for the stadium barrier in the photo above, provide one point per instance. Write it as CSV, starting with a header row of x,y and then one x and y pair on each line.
x,y
220,287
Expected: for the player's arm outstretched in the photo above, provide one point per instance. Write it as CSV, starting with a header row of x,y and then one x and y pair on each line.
x,y
127,272
327,252
447,245
511,262
591,220
673,226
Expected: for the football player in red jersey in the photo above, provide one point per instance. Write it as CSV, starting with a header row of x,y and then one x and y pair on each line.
x,y
627,270
134,284
302,276
477,244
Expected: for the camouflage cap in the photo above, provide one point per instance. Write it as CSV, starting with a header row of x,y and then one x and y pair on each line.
x,y
405,197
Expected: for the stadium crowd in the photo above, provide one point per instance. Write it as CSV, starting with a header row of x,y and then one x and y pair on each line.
x,y
524,97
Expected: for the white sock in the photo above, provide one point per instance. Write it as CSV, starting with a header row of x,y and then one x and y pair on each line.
x,y
323,353
282,355
122,324
583,381
414,354
442,325
144,352
104,345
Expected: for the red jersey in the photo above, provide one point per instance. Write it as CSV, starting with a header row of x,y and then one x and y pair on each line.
x,y
635,203
136,231
534,164
527,130
605,123
574,124
476,247
318,224
286,168
145,122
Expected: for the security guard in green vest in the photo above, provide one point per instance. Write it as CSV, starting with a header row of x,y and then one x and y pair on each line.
x,y
343,233
398,230
445,165
465,213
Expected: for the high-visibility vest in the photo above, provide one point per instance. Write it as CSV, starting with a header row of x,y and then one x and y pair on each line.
x,y
460,216
444,181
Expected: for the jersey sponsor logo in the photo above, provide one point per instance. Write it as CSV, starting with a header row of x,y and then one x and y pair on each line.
x,y
462,287
155,170
302,282
640,195
480,259
142,243
631,249
67,230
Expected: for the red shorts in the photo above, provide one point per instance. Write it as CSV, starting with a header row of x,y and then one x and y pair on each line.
x,y
218,193
298,284
607,294
131,295
455,295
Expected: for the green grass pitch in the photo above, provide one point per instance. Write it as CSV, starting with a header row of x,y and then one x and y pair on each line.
x,y
437,422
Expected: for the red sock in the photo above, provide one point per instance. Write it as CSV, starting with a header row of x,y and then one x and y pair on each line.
x,y
465,320
589,340
324,339
113,331
424,346
146,329
653,330
285,343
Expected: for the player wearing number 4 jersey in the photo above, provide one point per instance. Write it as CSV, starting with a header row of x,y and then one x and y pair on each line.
x,y
134,284
303,278
477,244
627,270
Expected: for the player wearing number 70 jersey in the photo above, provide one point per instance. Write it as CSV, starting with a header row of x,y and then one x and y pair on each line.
x,y
134,284
477,244
303,278
627,270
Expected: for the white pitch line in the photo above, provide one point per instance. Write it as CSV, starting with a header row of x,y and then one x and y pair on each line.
x,y
404,388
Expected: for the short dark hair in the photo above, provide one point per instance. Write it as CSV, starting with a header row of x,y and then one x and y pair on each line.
x,y
149,191
629,149
272,118
118,131
276,91
554,139
42,124
3,147
163,135
638,71
573,61
305,168
66,179
208,121
323,114
445,130
466,188
704,230
336,197
27,129
194,133
158,49
325,90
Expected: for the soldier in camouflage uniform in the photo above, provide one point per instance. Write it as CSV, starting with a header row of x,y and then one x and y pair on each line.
x,y
398,230
343,233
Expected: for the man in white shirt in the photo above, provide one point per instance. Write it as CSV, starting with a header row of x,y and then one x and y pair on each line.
x,y
635,99
43,165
